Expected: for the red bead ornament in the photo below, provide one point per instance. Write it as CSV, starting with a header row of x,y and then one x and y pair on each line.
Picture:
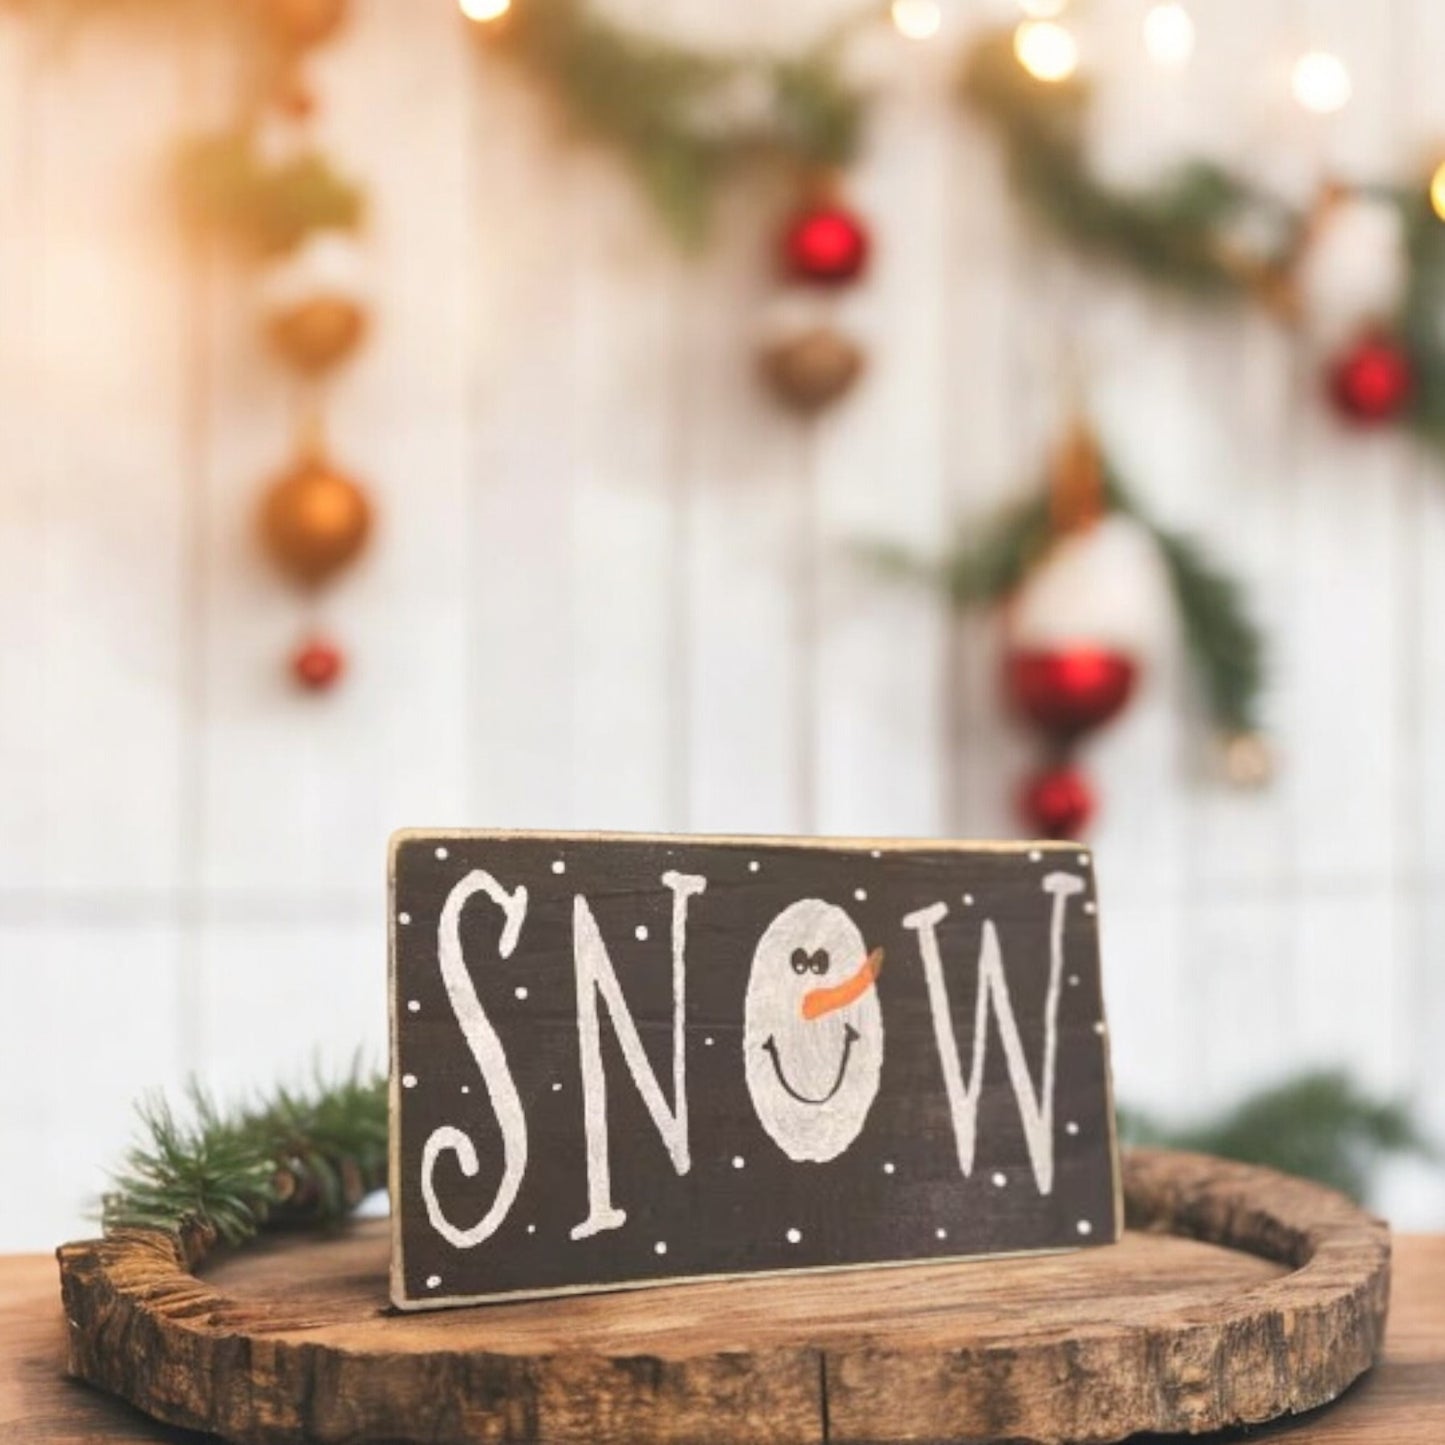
x,y
1057,803
318,664
1071,691
1373,382
827,245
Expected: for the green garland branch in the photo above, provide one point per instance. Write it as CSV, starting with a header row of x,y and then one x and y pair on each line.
x,y
988,562
685,119
1201,231
1320,1125
1179,234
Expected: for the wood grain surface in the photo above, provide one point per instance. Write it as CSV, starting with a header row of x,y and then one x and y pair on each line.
x,y
1169,1332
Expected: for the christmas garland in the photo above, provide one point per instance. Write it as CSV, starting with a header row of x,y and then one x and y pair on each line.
x,y
1209,234
684,119
307,1159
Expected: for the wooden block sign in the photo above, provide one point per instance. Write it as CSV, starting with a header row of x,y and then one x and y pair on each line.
x,y
619,1061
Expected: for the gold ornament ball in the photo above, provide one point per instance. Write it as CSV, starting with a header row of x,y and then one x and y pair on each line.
x,y
319,333
304,23
1249,760
812,370
314,521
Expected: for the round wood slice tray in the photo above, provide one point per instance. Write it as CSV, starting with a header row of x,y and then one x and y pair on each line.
x,y
1238,1295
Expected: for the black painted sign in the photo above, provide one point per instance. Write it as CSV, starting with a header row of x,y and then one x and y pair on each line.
x,y
624,1060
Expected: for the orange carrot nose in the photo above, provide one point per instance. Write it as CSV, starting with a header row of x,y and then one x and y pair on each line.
x,y
820,1001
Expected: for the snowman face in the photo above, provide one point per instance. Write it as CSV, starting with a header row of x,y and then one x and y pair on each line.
x,y
813,1031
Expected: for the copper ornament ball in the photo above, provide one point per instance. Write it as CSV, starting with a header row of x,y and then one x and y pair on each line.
x,y
316,334
315,520
303,23
812,370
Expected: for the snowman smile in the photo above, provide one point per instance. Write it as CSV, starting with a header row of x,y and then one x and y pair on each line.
x,y
850,1037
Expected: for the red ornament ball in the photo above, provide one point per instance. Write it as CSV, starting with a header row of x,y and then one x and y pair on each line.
x,y
827,245
1373,382
1070,691
318,664
1057,803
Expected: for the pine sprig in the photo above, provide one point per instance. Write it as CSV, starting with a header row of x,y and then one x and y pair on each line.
x,y
1320,1126
297,1157
684,119
269,209
1180,233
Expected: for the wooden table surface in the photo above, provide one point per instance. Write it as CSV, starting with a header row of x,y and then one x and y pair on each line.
x,y
1401,1402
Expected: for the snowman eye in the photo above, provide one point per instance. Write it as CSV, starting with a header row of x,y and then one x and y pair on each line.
x,y
819,965
800,961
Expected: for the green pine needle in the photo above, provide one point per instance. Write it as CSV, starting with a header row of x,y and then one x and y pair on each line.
x,y
1319,1126
297,1157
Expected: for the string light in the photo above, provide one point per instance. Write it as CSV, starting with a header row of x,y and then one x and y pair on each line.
x,y
1046,50
483,11
1321,82
1043,9
1169,33
917,19
1437,191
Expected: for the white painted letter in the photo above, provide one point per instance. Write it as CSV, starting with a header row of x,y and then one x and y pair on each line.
x,y
1036,1109
491,1059
595,976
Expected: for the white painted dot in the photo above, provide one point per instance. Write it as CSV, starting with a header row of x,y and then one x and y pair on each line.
x,y
403,919
754,866
1034,855
442,854
738,1161
1071,1127
433,1281
660,1247
413,1005
940,1234
521,990
861,894
708,1041
466,1088
1091,907
1073,980
794,1236
408,1081
968,900
1083,860
1100,1028
875,852
531,1229
888,1167
558,866
556,1086
641,932
1084,1227
999,1180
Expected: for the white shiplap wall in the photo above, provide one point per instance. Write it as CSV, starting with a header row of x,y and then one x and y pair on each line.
x,y
614,589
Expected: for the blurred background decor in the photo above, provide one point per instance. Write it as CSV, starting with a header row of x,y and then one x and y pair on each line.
x,y
620,584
